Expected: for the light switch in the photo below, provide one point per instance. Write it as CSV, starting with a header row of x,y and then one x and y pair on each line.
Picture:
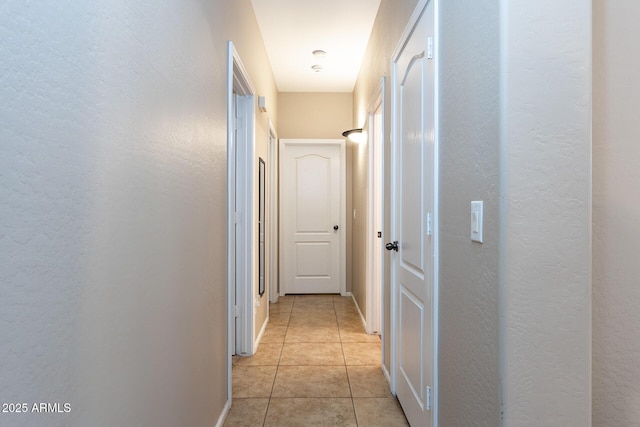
x,y
475,226
476,221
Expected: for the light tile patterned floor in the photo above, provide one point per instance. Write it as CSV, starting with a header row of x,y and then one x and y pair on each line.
x,y
316,366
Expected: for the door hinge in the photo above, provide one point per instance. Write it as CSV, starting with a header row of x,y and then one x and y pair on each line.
x,y
236,311
429,224
237,217
429,47
428,398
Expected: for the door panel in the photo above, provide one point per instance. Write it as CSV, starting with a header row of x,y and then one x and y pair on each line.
x,y
411,315
313,259
412,156
311,205
313,192
413,193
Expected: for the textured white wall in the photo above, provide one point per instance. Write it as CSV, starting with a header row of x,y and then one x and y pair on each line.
x,y
113,209
359,224
545,221
469,166
616,210
314,114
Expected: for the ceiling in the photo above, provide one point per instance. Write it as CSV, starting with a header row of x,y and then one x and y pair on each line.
x,y
293,29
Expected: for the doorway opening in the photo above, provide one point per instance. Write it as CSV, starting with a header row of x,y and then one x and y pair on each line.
x,y
273,215
375,187
240,224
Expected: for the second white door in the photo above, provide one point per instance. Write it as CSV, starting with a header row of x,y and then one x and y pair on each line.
x,y
414,223
312,194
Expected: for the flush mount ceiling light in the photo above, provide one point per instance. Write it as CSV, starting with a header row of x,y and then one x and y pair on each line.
x,y
319,53
354,135
319,56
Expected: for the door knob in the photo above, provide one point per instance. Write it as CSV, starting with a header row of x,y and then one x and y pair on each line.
x,y
335,227
392,246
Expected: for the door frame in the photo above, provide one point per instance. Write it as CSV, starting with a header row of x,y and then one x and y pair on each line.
x,y
240,227
343,200
273,221
413,20
375,213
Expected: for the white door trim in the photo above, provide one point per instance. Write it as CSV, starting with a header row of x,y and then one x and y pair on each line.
x,y
436,206
413,20
375,213
240,227
343,218
273,221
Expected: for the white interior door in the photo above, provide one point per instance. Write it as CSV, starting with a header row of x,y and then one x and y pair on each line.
x,y
312,183
413,219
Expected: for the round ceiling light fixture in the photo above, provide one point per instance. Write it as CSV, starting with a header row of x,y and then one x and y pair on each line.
x,y
319,53
319,56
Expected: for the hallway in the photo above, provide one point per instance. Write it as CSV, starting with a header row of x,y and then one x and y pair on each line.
x,y
315,366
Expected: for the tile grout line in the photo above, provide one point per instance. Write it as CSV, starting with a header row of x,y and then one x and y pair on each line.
x,y
353,405
264,421
289,325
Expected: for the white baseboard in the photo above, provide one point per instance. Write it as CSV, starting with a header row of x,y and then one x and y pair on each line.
x,y
223,415
364,322
257,341
388,378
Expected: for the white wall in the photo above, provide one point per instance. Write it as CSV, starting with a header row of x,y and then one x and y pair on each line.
x,y
545,223
469,170
113,188
359,223
314,114
616,210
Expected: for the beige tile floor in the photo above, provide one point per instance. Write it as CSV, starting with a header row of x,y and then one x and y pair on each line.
x,y
316,366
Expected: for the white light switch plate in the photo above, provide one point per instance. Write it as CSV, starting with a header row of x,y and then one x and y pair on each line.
x,y
476,220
